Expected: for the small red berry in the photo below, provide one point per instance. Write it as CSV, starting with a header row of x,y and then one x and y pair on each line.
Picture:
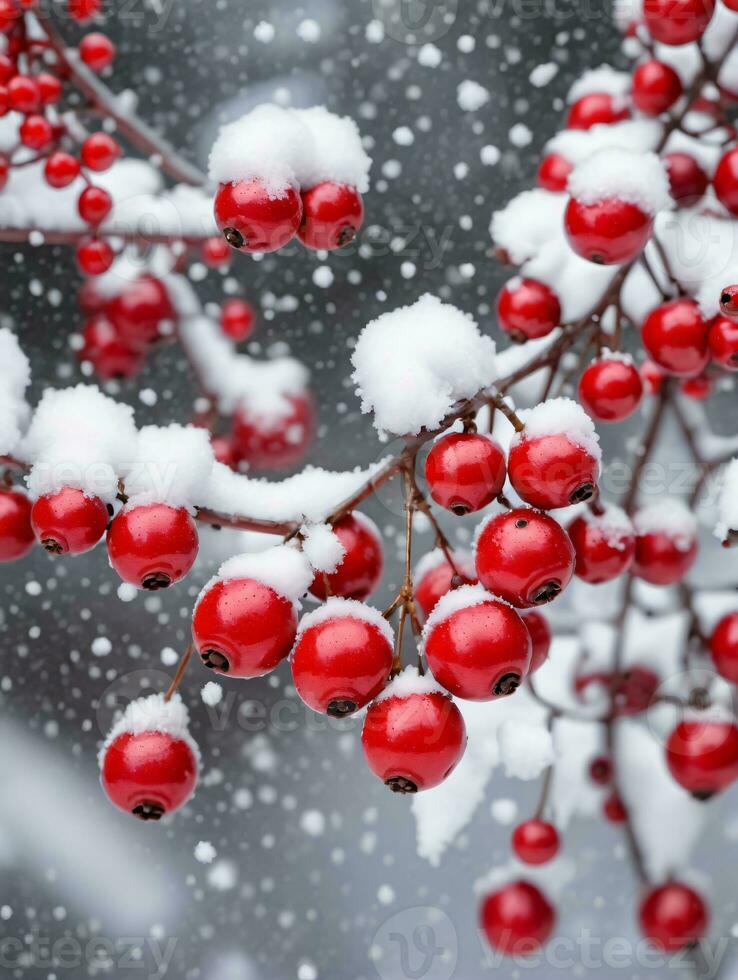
x,y
553,173
600,770
517,919
242,627
687,180
4,170
527,309
702,755
8,69
607,232
36,132
465,472
725,181
613,809
550,471
723,341
332,214
152,546
535,841
141,312
342,657
237,319
656,87
610,389
524,557
437,578
215,253
605,545
666,544
69,521
699,388
254,220
94,205
675,336
24,94
478,651
50,88
4,101
94,256
99,152
673,916
97,51
103,348
729,302
275,441
413,741
16,533
596,108
224,451
724,647
677,21
360,569
82,10
652,377
540,636
9,16
61,169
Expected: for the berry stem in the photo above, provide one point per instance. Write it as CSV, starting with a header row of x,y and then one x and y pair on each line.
x,y
181,668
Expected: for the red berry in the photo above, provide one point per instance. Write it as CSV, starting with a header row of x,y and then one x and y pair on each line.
x,y
723,342
524,557
94,256
215,252
69,521
36,132
673,916
360,570
89,297
600,770
82,10
605,545
610,389
652,377
97,51
518,919
253,220
152,546
596,108
4,170
675,336
237,319
61,169
50,88
16,533
677,21
414,741
332,214
94,205
666,543
656,87
437,578
702,756
527,309
540,636
535,841
729,302
613,809
699,388
631,692
8,68
725,181
9,16
142,312
341,659
687,180
465,472
243,628
553,173
724,647
24,94
550,471
224,451
103,348
275,441
99,152
479,651
607,232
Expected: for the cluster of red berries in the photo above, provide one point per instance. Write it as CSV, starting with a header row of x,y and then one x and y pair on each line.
x,y
254,218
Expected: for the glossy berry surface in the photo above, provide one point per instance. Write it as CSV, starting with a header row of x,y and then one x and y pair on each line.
x,y
729,302
552,471
524,557
99,152
675,336
656,87
332,215
600,770
413,743
61,169
340,664
237,319
94,256
722,339
152,546
540,637
141,311
527,308
535,842
662,558
688,182
243,628
673,916
103,348
275,442
479,652
97,51
596,108
94,205
724,647
677,21
253,221
602,552
360,570
16,534
517,919
36,132
436,582
608,232
68,521
702,755
553,173
613,809
465,472
725,181
149,773
610,389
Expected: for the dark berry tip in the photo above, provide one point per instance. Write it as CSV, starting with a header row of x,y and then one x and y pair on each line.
x,y
582,493
703,795
346,235
401,784
521,522
148,811
52,546
725,299
156,581
461,510
215,660
506,685
341,708
234,237
546,593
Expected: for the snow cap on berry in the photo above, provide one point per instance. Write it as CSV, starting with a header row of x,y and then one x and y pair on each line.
x,y
171,465
575,145
413,364
561,416
430,561
15,376
454,600
338,608
668,516
153,714
614,523
322,547
604,79
409,682
728,502
637,178
283,568
79,438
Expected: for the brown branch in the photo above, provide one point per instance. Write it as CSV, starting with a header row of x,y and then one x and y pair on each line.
x,y
177,679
